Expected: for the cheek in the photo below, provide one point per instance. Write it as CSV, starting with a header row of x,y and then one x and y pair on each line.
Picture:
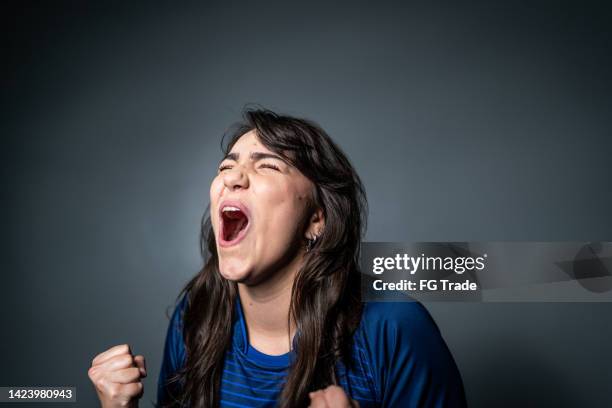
x,y
215,188
215,192
278,197
284,206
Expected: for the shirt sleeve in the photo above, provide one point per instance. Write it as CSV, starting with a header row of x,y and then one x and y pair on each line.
x,y
412,364
173,355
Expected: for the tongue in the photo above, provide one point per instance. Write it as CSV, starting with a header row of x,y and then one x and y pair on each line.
x,y
234,223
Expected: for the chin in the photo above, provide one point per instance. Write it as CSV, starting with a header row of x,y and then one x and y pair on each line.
x,y
235,273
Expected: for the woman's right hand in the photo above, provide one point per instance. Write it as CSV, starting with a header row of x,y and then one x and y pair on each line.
x,y
116,375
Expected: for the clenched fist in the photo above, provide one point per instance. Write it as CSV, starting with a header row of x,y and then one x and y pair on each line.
x,y
331,397
116,374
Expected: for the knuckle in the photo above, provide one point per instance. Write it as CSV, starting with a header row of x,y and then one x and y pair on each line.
x,y
99,381
133,390
113,391
139,387
124,359
334,389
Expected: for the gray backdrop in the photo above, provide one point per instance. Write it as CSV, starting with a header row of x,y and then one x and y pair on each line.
x,y
481,122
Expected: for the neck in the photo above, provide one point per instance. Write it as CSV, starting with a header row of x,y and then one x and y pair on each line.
x,y
265,308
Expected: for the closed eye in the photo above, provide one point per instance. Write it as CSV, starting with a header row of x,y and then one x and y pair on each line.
x,y
270,165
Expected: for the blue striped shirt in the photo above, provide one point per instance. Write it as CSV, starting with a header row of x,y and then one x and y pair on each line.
x,y
400,360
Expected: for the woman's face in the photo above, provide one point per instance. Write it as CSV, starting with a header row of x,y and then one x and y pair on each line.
x,y
272,196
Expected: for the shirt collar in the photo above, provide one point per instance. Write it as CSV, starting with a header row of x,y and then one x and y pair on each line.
x,y
240,336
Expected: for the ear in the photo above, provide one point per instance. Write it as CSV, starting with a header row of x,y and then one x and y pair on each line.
x,y
316,224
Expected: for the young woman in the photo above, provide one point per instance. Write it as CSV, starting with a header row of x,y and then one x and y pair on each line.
x,y
275,317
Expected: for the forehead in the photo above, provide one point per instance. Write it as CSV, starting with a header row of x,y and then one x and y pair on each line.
x,y
248,141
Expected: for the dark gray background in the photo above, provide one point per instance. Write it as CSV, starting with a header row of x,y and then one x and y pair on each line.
x,y
481,122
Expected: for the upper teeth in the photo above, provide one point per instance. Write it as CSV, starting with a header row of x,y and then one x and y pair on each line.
x,y
229,208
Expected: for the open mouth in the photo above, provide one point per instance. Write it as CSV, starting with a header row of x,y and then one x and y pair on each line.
x,y
234,223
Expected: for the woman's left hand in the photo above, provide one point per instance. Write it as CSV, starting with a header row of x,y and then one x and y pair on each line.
x,y
331,397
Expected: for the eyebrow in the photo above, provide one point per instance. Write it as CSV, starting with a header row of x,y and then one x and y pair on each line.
x,y
255,156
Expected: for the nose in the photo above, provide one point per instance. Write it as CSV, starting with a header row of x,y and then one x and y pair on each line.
x,y
235,178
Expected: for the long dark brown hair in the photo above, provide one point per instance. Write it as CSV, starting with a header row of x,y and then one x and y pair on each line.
x,y
325,300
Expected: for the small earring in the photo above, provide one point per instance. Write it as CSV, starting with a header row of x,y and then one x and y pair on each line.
x,y
311,243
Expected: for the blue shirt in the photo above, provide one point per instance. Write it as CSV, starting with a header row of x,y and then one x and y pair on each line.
x,y
400,357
